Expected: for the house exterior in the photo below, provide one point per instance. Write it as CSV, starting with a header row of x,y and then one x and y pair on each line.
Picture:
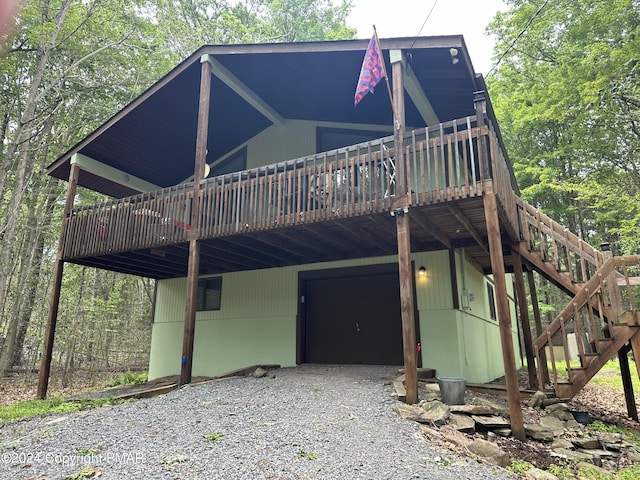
x,y
257,321
284,225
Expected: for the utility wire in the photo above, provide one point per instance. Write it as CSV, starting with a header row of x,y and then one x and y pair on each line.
x,y
518,37
424,23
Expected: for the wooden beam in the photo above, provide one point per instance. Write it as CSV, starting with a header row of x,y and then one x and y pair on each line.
x,y
543,368
407,299
504,315
627,385
248,95
194,245
464,221
419,97
88,164
432,230
54,301
524,319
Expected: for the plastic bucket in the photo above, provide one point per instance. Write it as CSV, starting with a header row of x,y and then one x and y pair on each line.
x,y
452,390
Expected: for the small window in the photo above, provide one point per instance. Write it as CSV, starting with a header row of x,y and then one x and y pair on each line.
x,y
492,302
209,293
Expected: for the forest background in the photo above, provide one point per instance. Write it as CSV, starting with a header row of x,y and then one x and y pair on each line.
x,y
565,89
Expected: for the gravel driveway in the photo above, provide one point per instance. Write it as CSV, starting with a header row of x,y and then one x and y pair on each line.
x,y
309,422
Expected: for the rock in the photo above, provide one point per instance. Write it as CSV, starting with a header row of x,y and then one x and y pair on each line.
x,y
430,432
428,412
503,432
557,406
573,423
598,452
537,399
538,432
537,474
587,443
563,415
490,422
561,443
462,423
495,408
570,454
410,412
490,452
553,424
633,456
611,438
471,409
456,438
259,372
436,412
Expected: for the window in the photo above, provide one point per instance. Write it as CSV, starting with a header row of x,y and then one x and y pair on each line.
x,y
332,138
209,293
492,302
233,163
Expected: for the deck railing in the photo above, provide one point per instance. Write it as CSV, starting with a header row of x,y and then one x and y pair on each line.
x,y
610,297
442,163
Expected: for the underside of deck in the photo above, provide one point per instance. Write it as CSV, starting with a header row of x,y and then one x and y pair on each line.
x,y
458,222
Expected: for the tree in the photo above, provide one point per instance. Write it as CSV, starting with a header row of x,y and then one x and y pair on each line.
x,y
567,97
67,68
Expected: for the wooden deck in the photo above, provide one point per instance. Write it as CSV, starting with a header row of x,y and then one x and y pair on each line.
x,y
330,206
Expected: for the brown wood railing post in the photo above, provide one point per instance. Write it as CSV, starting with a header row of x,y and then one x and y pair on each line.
x,y
407,300
504,315
480,105
194,245
524,318
54,301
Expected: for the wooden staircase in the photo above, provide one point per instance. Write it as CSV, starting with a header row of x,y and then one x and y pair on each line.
x,y
601,317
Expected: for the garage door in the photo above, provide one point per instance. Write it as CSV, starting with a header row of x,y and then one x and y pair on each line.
x,y
353,320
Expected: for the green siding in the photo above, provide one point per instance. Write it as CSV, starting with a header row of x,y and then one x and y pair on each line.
x,y
257,321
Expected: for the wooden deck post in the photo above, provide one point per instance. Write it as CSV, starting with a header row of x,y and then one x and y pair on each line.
x,y
54,301
194,245
504,315
407,300
627,385
543,368
524,319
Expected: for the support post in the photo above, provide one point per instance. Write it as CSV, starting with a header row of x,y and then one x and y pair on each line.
x,y
524,319
54,301
543,368
625,373
194,245
407,300
635,348
504,315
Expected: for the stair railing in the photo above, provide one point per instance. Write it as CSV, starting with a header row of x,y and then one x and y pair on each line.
x,y
610,297
566,251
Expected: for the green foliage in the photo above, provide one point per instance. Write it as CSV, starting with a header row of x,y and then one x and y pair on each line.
x,y
561,471
630,436
307,455
84,452
214,437
519,466
32,408
629,473
88,471
172,460
567,99
128,378
588,472
609,376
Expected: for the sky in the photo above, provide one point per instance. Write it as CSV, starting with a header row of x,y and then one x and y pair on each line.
x,y
403,18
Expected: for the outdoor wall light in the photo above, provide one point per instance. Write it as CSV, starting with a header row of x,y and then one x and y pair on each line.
x,y
422,272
